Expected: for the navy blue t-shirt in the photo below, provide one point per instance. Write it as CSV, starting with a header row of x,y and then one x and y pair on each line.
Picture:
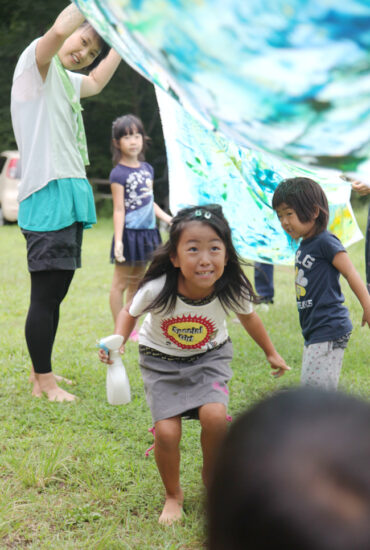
x,y
138,193
322,315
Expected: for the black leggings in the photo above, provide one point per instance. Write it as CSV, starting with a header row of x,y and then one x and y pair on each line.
x,y
48,288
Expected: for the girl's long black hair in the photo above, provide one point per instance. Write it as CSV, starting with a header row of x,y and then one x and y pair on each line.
x,y
233,285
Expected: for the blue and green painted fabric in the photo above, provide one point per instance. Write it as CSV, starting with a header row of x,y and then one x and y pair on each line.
x,y
265,90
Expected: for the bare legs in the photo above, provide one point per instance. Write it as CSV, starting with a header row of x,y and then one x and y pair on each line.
x,y
125,278
212,418
167,456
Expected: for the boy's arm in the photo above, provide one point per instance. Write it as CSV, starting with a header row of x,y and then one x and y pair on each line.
x,y
344,265
101,75
65,24
255,328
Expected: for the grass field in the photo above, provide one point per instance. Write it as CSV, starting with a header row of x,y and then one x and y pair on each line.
x,y
74,476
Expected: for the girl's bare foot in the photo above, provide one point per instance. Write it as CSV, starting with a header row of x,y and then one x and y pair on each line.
x,y
172,509
47,384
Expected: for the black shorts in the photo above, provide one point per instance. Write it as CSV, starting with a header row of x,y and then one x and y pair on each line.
x,y
54,250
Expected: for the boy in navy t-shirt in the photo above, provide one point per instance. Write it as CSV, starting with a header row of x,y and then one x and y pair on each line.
x,y
303,211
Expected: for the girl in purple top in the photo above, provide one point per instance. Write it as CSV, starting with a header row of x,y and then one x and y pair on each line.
x,y
134,211
303,211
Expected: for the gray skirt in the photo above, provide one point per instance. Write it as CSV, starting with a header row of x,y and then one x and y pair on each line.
x,y
174,388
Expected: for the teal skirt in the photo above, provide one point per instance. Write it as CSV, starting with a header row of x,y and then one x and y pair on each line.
x,y
57,205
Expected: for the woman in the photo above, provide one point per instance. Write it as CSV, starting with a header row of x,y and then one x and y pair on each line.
x,y
56,200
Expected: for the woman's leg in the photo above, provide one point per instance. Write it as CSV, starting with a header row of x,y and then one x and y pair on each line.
x,y
125,277
213,421
167,456
48,289
65,283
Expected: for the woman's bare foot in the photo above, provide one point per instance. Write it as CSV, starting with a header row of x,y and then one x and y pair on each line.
x,y
57,377
172,509
46,383
36,391
60,378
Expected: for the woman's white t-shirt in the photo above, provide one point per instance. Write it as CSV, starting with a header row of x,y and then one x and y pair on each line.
x,y
44,124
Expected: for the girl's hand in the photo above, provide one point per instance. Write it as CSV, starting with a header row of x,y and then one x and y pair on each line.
x,y
278,363
104,357
118,251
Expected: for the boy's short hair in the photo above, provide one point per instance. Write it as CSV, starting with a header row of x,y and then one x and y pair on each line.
x,y
294,471
304,196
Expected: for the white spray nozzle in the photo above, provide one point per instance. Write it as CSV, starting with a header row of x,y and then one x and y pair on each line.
x,y
112,342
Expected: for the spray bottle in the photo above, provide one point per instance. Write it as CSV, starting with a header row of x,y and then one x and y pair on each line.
x,y
118,386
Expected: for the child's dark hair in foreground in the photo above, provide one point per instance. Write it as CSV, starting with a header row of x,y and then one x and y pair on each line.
x,y
303,211
294,473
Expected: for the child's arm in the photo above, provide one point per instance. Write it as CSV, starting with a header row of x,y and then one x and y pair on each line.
x,y
65,24
161,214
101,75
255,328
125,324
118,196
344,265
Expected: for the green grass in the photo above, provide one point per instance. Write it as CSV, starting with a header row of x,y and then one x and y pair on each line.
x,y
74,476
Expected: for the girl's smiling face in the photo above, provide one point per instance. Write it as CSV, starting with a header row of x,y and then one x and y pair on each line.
x,y
292,224
80,49
201,257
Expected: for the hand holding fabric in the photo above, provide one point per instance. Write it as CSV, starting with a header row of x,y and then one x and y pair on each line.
x,y
361,187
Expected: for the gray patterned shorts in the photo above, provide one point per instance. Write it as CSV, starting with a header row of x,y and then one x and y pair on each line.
x,y
322,363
